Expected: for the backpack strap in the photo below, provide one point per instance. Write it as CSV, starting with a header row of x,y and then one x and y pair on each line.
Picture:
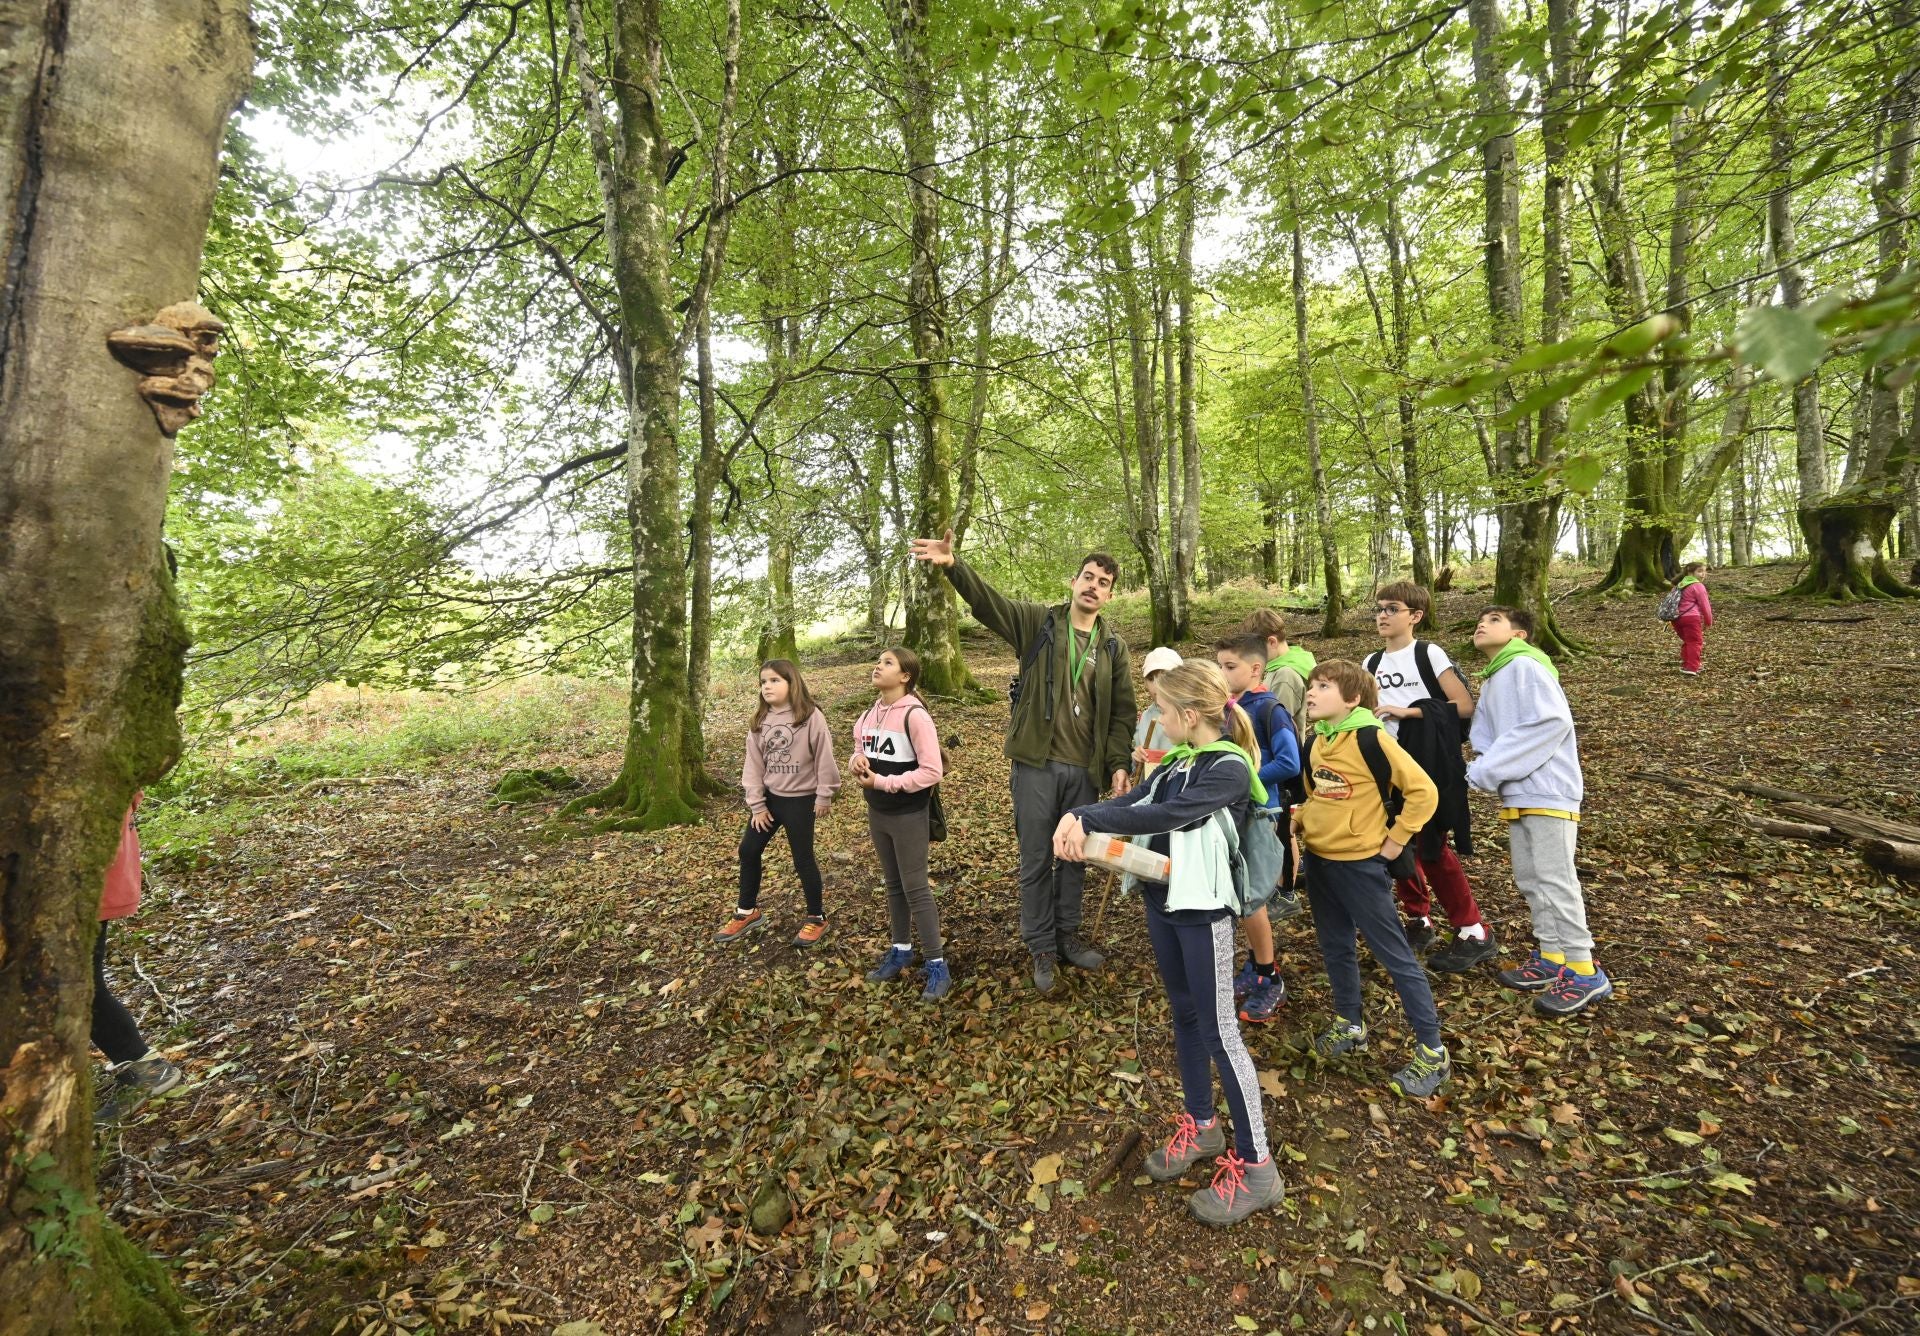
x,y
1041,640
1372,661
1377,764
1423,656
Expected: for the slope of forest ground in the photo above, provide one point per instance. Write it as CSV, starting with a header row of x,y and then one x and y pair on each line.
x,y
451,1070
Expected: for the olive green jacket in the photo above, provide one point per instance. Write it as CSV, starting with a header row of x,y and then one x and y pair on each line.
x,y
1030,731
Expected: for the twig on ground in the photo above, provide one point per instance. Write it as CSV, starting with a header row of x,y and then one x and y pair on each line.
x,y
1884,1306
1613,1291
1427,1289
526,1184
147,979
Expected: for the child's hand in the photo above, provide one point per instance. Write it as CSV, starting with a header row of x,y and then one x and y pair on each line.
x,y
866,778
1390,849
859,765
1139,755
1398,711
821,806
1119,782
1070,839
762,820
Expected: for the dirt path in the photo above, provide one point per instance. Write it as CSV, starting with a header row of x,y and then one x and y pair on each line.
x,y
448,1070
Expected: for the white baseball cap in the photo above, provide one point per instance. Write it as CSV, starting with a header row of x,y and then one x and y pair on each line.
x,y
1159,660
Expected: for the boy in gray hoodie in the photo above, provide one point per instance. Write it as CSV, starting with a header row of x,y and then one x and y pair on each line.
x,y
1527,753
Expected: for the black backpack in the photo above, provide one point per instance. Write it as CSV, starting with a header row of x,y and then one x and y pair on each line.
x,y
1044,641
1391,799
936,813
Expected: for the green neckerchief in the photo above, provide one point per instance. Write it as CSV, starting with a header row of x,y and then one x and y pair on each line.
x,y
1254,787
1690,580
1298,657
1518,648
1358,717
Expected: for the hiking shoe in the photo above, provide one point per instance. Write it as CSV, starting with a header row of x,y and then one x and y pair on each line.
x,y
134,1083
738,926
1244,980
1269,991
1189,1144
1283,906
1043,972
811,930
891,965
1343,1036
1078,954
1531,977
1238,1190
1427,1072
1420,935
939,981
1572,992
1462,954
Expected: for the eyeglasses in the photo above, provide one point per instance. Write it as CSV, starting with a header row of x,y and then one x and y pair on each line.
x,y
1387,609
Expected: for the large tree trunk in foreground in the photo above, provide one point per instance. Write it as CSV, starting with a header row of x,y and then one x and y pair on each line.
x,y
933,618
107,210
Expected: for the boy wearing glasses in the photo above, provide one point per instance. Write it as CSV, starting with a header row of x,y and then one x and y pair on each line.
x,y
1426,706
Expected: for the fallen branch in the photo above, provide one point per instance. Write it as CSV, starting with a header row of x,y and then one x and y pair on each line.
x,y
387,1175
526,1184
1818,621
1117,1159
1893,856
1883,843
348,781
147,979
1614,1289
1790,830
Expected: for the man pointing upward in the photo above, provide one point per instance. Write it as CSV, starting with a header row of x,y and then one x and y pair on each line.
x,y
1070,736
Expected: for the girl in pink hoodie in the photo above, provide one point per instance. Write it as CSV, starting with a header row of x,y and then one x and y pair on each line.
x,y
789,779
1695,616
896,759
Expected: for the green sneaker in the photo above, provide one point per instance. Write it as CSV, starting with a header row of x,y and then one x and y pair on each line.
x,y
1427,1072
1343,1036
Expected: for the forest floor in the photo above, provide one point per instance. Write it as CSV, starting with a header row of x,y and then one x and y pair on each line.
x,y
451,1069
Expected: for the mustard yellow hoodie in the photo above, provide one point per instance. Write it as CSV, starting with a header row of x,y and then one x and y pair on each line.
x,y
1342,818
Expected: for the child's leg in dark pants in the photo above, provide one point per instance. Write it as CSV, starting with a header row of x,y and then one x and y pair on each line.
x,y
753,845
1334,928
795,816
114,1031
1196,967
1364,892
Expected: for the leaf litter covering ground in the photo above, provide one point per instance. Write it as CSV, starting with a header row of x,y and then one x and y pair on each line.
x,y
450,1072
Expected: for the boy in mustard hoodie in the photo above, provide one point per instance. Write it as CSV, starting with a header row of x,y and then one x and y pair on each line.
x,y
1351,836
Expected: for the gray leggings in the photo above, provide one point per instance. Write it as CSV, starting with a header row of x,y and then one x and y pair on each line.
x,y
900,838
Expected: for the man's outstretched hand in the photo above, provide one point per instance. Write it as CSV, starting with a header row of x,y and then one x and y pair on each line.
x,y
939,551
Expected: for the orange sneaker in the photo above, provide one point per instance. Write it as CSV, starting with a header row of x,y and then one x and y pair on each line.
x,y
811,930
738,926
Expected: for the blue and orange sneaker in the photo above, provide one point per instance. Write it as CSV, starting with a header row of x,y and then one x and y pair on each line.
x,y
1533,976
1269,991
1571,993
1244,979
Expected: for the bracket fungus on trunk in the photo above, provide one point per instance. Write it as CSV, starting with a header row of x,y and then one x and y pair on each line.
x,y
174,356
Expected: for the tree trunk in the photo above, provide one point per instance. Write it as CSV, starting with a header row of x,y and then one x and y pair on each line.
x,y
1335,609
107,211
707,471
933,617
777,635
1529,520
1186,523
1143,500
1402,353
1740,539
1810,451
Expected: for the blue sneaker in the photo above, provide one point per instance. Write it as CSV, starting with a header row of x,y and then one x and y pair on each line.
x,y
1533,976
1265,999
939,981
891,966
1243,981
1572,992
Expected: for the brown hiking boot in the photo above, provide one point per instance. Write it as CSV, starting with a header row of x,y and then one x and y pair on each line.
x,y
738,926
811,930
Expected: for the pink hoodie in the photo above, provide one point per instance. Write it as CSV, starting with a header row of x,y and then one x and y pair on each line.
x,y
1695,603
790,760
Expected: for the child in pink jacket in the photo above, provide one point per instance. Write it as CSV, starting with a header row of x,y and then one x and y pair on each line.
x,y
1696,615
136,1069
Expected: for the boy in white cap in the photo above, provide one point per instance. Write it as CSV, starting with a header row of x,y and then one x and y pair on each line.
x,y
1150,741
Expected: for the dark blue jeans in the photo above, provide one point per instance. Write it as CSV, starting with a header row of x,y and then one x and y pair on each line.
x,y
1349,896
1196,967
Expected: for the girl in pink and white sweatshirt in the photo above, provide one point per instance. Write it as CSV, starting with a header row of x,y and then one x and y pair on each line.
x,y
896,759
789,779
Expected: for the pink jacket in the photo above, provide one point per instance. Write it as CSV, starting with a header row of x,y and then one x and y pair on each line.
x,y
877,735
1695,603
790,760
120,897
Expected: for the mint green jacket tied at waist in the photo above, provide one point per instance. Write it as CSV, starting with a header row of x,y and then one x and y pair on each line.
x,y
1030,732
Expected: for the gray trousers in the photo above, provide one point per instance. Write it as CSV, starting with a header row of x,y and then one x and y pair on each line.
x,y
1052,893
1543,871
900,838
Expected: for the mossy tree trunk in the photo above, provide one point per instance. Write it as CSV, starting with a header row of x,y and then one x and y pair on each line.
x,y
933,617
106,214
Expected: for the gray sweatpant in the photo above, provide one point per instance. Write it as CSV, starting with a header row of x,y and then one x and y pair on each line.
x,y
1543,870
900,838
1052,893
